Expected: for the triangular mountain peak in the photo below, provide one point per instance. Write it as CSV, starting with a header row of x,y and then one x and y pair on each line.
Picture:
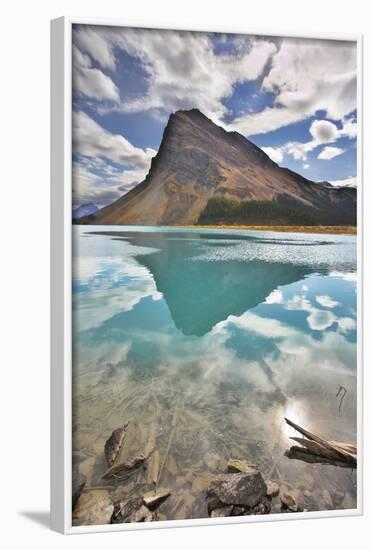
x,y
201,169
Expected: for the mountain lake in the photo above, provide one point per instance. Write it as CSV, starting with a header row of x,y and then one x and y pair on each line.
x,y
204,341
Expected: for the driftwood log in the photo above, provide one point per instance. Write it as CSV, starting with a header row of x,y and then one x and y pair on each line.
x,y
313,448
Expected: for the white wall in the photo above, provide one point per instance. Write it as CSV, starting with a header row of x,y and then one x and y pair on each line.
x,y
24,131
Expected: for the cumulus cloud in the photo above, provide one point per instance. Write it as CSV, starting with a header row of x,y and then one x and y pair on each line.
x,y
320,319
276,154
275,297
306,76
185,72
182,68
329,153
108,165
348,182
322,132
101,183
90,139
90,187
349,128
295,343
90,41
90,81
326,301
346,324
350,276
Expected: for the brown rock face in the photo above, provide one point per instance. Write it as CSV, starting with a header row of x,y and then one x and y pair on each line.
x,y
198,160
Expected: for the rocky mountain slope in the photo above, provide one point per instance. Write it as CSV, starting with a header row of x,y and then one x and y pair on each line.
x,y
204,173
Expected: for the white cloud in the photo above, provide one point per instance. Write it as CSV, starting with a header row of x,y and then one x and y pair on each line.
x,y
90,81
299,302
320,319
110,298
95,178
329,153
183,70
351,276
267,327
306,76
275,297
346,324
275,154
323,131
348,182
169,57
102,189
326,301
91,42
91,140
89,187
350,128
297,150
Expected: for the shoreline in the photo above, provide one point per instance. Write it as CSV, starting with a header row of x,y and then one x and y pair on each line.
x,y
331,229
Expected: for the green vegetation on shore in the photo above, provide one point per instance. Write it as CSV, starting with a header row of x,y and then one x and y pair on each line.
x,y
222,211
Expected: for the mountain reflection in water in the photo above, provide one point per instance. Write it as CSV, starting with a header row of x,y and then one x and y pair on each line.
x,y
200,294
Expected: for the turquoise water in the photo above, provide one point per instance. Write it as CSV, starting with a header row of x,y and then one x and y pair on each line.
x,y
205,340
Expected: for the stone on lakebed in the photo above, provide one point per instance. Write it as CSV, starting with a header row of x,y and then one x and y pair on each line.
x,y
239,489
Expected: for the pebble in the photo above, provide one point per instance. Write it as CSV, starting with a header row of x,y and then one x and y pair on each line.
x,y
272,488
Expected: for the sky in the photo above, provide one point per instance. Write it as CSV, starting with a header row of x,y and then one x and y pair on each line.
x,y
294,98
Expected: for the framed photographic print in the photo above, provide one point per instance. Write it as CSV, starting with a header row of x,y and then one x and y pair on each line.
x,y
206,260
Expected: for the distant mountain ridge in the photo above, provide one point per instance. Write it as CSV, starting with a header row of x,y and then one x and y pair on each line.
x,y
84,210
201,169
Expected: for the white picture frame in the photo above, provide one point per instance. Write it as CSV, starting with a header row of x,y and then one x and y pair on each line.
x,y
61,272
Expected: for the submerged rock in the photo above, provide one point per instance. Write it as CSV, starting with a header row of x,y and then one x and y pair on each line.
x,y
137,509
272,488
239,489
242,466
222,512
93,508
263,507
238,511
125,509
142,514
155,498
113,444
124,467
290,501
78,483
